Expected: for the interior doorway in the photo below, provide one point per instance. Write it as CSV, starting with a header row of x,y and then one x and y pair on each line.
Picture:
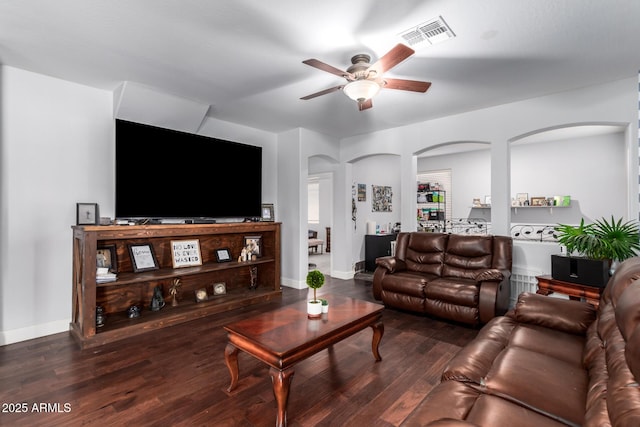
x,y
319,212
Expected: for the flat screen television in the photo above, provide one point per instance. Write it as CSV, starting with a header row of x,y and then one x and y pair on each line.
x,y
167,174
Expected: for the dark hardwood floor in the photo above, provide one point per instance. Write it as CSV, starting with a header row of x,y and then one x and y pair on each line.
x,y
177,376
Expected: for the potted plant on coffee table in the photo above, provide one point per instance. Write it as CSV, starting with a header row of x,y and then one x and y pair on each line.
x,y
315,280
593,249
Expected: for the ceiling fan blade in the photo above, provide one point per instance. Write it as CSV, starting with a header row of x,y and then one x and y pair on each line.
x,y
401,84
365,105
323,92
326,67
392,58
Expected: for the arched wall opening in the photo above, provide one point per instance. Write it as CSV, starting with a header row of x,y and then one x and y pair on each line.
x,y
469,166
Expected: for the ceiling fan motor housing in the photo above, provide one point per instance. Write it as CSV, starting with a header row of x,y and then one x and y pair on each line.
x,y
360,67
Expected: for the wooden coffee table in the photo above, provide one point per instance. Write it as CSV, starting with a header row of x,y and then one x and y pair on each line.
x,y
285,336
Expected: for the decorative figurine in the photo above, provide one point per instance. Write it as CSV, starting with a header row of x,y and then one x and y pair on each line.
x,y
253,271
173,291
133,312
157,302
100,317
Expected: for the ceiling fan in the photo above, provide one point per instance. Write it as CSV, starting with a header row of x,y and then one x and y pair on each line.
x,y
364,80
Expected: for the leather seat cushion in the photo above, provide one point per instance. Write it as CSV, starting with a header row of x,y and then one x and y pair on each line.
x,y
454,290
406,282
455,400
540,381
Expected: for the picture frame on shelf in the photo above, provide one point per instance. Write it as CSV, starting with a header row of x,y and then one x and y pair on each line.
x,y
268,213
87,214
522,199
223,255
219,288
143,257
538,201
185,253
253,245
487,201
106,258
201,295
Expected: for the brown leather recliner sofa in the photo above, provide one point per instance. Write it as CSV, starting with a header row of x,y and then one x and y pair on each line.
x,y
457,277
548,362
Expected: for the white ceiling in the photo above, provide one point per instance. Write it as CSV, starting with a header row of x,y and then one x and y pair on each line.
x,y
244,57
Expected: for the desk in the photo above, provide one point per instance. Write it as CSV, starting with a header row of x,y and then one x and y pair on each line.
x,y
548,285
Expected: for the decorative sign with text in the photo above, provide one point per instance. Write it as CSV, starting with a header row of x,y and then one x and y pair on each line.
x,y
186,253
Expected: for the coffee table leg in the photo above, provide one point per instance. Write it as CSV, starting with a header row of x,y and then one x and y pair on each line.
x,y
281,380
231,359
378,331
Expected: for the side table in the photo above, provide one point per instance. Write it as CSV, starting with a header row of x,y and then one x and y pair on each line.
x,y
548,285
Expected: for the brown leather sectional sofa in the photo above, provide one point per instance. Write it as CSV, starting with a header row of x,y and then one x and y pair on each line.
x,y
548,362
457,277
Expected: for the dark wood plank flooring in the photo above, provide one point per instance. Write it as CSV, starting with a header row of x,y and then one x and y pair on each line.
x,y
177,376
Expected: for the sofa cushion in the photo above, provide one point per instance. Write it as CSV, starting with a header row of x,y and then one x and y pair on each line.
x,y
541,310
424,252
407,282
466,255
455,400
454,290
533,378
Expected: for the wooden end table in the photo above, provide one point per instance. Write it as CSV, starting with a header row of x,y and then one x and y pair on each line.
x,y
285,336
548,285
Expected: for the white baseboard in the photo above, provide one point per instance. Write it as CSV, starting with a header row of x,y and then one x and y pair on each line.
x,y
291,283
344,275
35,331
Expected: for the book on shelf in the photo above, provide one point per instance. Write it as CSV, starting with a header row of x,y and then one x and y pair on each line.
x,y
103,276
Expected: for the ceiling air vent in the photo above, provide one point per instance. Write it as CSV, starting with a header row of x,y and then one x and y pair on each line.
x,y
433,31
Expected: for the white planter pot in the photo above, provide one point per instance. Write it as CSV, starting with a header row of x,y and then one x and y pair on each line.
x,y
325,308
314,309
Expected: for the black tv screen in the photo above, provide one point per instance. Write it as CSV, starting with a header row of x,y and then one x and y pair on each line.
x,y
168,174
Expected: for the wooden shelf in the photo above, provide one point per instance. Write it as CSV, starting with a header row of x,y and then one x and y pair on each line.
x,y
132,288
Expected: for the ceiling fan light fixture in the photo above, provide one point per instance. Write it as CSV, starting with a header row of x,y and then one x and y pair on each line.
x,y
361,90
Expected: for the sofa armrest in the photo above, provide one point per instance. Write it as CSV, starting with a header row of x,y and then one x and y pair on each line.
x,y
385,265
392,264
495,293
565,315
490,275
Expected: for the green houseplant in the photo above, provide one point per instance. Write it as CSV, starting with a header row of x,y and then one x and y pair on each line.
x,y
593,249
315,280
613,241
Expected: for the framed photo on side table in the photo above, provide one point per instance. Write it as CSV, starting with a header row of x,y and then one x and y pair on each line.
x,y
267,212
143,257
87,214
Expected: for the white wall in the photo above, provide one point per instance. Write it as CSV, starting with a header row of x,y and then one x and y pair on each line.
x,y
58,149
380,170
